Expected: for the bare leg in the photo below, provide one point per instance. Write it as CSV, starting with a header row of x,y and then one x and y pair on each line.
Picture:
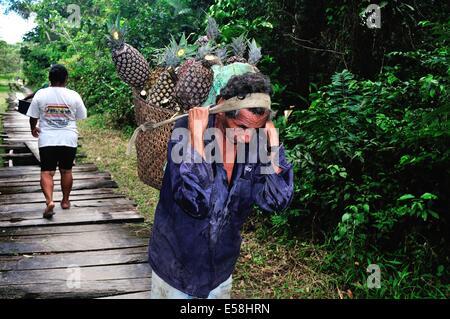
x,y
47,189
66,185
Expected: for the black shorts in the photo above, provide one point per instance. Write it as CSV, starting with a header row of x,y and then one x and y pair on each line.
x,y
53,156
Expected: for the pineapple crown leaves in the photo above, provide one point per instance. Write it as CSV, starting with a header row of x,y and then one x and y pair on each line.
x,y
221,53
212,30
158,56
175,52
205,50
254,52
239,46
116,36
207,55
185,50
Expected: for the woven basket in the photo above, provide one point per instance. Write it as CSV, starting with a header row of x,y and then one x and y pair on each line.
x,y
151,146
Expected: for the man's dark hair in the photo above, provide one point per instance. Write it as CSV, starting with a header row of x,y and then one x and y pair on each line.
x,y
58,74
241,85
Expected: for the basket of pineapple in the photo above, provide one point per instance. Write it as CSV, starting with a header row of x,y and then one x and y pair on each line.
x,y
184,76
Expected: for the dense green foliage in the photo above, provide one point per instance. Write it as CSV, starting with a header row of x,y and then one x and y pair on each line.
x,y
369,131
10,61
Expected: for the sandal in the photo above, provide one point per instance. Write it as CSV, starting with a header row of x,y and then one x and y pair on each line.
x,y
48,213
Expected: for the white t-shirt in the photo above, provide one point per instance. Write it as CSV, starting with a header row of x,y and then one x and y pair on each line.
x,y
57,109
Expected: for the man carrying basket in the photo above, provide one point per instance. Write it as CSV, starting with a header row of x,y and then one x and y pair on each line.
x,y
203,204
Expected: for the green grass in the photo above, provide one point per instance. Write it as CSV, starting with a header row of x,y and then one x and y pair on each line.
x,y
4,89
267,267
106,148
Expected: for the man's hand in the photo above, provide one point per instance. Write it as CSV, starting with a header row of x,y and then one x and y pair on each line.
x,y
35,132
273,141
197,124
33,126
272,134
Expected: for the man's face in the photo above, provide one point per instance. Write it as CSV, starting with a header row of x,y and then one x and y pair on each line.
x,y
244,129
239,133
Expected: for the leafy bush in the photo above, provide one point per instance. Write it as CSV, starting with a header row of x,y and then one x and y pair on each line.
x,y
372,166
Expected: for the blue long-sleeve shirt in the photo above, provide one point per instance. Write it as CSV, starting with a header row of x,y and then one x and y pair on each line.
x,y
196,239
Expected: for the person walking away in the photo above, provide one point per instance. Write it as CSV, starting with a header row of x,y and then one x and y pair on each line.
x,y
56,109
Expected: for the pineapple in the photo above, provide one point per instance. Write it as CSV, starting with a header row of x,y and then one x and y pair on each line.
x,y
130,64
195,79
156,72
181,71
153,78
238,47
254,53
171,56
161,94
202,52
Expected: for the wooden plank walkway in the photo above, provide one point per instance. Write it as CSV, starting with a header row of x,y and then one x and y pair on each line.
x,y
88,251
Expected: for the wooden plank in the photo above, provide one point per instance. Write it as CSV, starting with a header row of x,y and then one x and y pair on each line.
x,y
18,140
82,259
10,119
16,131
57,196
35,212
19,136
34,176
16,155
83,184
23,135
136,295
35,169
43,230
33,207
88,289
29,180
56,181
79,219
73,242
13,146
111,272
15,121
